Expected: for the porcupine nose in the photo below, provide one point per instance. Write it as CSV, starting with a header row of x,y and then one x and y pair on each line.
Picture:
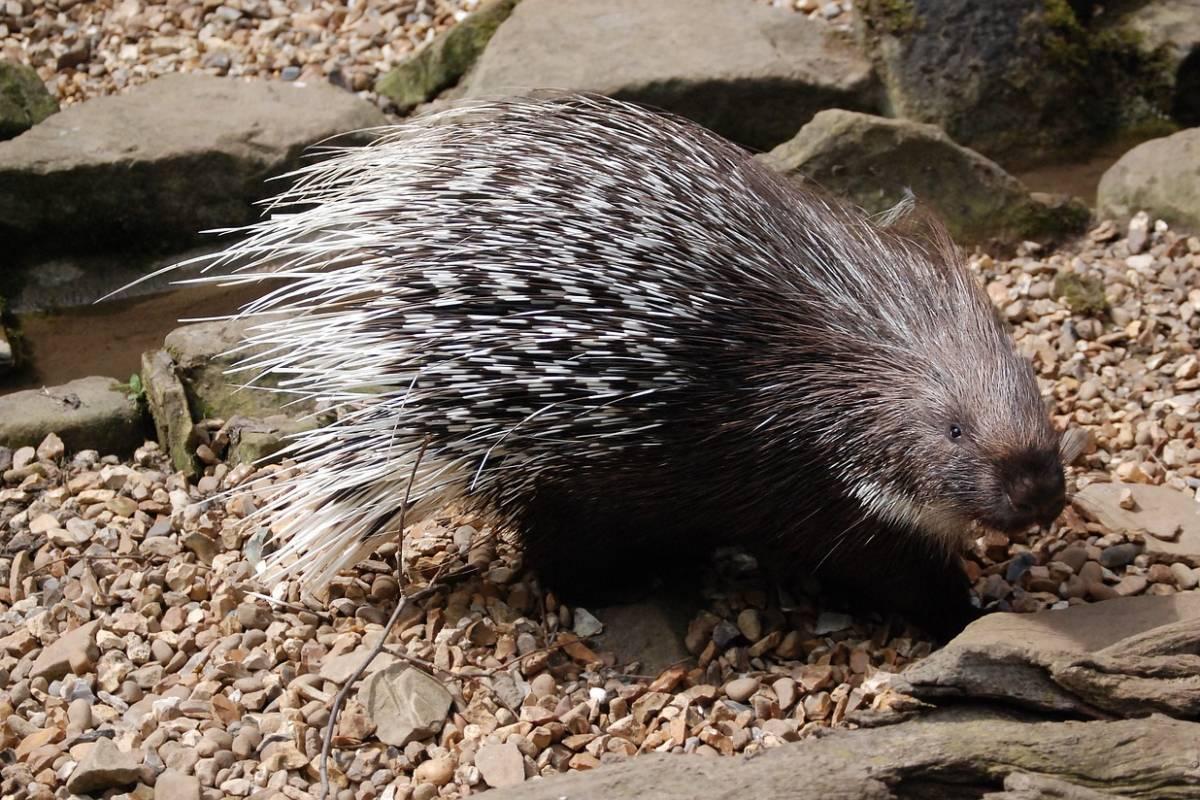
x,y
1037,497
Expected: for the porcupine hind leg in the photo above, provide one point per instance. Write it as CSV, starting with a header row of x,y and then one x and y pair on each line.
x,y
598,554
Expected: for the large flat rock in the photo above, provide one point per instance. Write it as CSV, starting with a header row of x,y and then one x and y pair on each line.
x,y
949,754
1127,656
89,413
749,71
166,160
1169,518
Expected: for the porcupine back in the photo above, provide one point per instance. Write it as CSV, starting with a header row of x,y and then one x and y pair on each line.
x,y
613,325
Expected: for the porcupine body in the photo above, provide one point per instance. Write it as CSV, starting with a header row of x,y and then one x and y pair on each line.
x,y
618,332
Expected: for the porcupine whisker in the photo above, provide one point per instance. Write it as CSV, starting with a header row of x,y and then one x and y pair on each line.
x,y
839,540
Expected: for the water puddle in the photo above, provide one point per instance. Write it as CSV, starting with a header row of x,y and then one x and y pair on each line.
x,y
109,338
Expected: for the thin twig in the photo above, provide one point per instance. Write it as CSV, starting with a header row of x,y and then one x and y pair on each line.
x,y
290,606
73,560
327,743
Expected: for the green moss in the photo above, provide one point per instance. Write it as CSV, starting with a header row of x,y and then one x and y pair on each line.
x,y
1123,83
897,17
135,389
24,101
445,60
1084,296
1050,217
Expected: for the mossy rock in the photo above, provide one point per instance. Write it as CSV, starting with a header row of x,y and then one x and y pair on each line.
x,y
441,64
1084,296
24,100
874,162
1021,81
259,442
204,357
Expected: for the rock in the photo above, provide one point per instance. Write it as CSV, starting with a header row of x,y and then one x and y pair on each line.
x,y
751,72
437,771
874,162
500,764
74,651
785,692
781,729
1126,656
104,767
89,413
51,448
278,756
405,704
79,715
1170,518
1130,585
1158,177
749,622
1119,555
1185,576
24,100
725,634
1016,80
1170,30
168,405
180,154
252,616
1135,758
440,64
648,705
832,621
174,785
1138,238
36,740
338,669
424,791
543,685
201,357
585,624
740,689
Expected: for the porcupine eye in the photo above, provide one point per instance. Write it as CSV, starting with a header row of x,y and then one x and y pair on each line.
x,y
955,432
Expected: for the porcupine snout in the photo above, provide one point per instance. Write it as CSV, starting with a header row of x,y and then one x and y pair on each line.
x,y
1034,490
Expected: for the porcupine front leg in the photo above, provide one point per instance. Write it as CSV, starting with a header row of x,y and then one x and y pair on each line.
x,y
926,588
932,593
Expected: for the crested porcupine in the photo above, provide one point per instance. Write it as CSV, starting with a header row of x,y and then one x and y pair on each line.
x,y
618,332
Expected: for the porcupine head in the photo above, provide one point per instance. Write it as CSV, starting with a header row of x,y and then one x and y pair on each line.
x,y
607,325
934,422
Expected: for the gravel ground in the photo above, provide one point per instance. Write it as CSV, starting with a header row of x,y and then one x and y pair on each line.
x,y
193,674
83,48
